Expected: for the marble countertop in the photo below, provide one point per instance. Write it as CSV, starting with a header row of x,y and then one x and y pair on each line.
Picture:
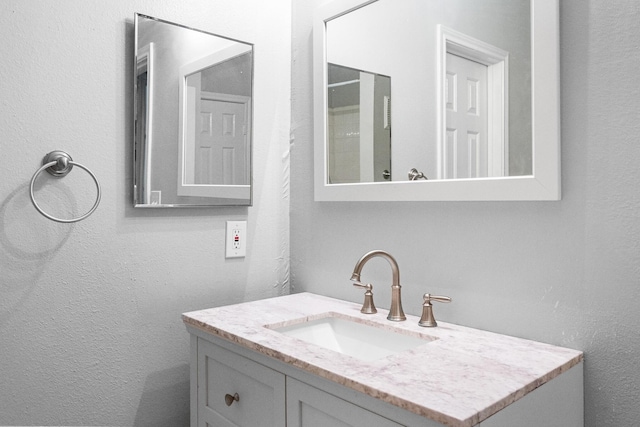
x,y
459,378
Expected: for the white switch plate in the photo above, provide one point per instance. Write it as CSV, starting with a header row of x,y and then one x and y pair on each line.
x,y
236,241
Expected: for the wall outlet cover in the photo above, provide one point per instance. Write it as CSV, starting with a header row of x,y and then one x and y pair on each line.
x,y
236,239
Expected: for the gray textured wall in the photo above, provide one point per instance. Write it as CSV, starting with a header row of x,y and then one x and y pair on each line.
x,y
90,328
89,313
566,272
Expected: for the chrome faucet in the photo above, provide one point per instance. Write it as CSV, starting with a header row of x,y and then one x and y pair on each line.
x,y
395,311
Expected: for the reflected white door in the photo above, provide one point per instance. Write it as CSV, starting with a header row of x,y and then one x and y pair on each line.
x,y
465,151
221,154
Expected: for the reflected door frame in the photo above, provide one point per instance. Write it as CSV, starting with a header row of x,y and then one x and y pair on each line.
x,y
497,62
186,185
144,120
188,105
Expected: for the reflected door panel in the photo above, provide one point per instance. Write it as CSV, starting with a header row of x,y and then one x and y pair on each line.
x,y
466,153
221,143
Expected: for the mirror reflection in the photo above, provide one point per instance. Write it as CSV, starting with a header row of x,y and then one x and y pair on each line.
x,y
460,72
192,117
359,127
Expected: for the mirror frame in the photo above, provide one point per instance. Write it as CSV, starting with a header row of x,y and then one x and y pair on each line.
x,y
543,184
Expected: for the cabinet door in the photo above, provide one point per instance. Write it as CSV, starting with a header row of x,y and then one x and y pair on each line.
x,y
260,390
309,407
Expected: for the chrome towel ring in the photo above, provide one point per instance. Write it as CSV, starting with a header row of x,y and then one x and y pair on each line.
x,y
59,164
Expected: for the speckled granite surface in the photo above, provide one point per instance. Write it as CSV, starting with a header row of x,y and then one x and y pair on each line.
x,y
459,377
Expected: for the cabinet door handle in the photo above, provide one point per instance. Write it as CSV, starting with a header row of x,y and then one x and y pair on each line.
x,y
229,399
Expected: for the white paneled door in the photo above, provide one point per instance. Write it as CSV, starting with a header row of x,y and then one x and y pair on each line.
x,y
465,150
221,143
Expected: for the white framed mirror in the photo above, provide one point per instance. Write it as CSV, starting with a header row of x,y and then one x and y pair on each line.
x,y
193,114
472,109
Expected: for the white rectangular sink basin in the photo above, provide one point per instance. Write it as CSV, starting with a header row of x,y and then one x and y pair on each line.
x,y
352,338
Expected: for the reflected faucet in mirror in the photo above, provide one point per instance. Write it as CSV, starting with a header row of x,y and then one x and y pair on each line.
x,y
414,175
396,313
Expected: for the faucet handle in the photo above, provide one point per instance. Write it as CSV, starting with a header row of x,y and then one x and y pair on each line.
x,y
368,307
427,318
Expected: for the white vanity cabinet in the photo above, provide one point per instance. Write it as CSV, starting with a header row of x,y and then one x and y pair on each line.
x,y
279,395
308,406
268,397
462,377
220,372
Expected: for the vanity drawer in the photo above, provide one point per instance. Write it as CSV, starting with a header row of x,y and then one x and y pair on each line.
x,y
260,390
308,406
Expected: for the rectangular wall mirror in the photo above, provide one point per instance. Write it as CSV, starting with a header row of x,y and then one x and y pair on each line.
x,y
192,115
436,100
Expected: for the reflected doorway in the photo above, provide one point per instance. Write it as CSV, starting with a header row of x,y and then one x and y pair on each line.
x,y
358,126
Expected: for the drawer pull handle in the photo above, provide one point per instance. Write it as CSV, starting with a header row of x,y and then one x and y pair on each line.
x,y
228,399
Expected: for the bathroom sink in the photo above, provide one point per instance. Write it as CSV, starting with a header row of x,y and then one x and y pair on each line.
x,y
353,338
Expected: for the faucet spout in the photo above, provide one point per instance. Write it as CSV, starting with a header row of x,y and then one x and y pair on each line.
x,y
396,313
